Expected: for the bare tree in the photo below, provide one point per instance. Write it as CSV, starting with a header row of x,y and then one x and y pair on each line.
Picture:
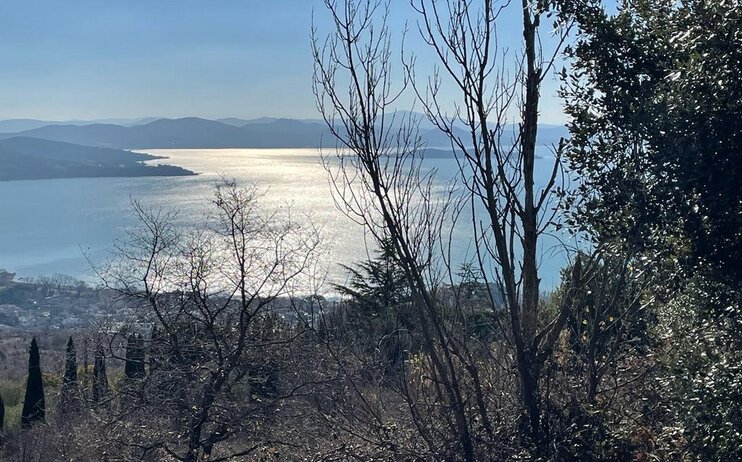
x,y
378,177
213,294
497,159
380,182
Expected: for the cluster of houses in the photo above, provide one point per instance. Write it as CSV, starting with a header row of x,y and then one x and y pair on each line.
x,y
54,303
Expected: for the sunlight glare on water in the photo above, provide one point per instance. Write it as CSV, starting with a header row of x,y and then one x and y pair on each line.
x,y
48,225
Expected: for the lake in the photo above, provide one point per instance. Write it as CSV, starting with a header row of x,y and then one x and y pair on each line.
x,y
48,226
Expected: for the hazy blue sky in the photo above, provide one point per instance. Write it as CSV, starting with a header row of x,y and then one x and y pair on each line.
x,y
84,59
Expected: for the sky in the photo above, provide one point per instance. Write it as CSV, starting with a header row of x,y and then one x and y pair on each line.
x,y
95,59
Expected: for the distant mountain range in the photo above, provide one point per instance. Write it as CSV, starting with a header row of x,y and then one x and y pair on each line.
x,y
19,125
36,149
23,158
193,132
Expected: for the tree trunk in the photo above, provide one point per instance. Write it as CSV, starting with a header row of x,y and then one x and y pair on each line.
x,y
528,372
529,367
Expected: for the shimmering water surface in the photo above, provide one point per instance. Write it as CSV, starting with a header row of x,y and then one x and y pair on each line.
x,y
49,226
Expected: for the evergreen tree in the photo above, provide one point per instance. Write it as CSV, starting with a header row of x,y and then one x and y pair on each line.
x,y
69,381
134,368
100,379
654,102
129,366
141,371
85,370
378,295
655,109
33,403
2,413
155,342
377,285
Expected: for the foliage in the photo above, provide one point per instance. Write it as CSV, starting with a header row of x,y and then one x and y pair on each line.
x,y
702,376
135,356
70,390
376,285
100,377
70,365
34,407
378,297
655,100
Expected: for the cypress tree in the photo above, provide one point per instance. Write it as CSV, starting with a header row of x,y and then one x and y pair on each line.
x,y
129,366
134,368
154,350
2,414
141,372
85,371
33,404
69,380
100,379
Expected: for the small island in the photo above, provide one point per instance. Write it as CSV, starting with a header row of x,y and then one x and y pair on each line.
x,y
23,158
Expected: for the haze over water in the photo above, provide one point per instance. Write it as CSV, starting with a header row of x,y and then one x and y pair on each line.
x,y
48,226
